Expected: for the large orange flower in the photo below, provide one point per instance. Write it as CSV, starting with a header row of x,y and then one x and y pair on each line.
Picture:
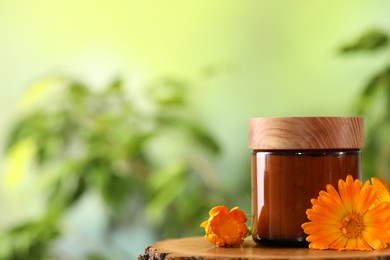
x,y
381,190
348,219
224,228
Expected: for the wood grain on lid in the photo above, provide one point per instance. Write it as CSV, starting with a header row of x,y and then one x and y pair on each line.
x,y
299,133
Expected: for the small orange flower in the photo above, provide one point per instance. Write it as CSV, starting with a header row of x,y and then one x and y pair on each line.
x,y
224,227
348,219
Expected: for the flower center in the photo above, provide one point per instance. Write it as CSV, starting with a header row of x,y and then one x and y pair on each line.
x,y
351,225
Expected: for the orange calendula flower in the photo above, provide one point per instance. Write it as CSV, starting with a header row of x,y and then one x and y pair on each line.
x,y
381,190
224,227
348,219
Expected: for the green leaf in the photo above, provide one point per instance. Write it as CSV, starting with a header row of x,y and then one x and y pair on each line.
x,y
374,91
96,257
26,127
371,40
77,93
168,92
113,189
115,86
29,240
201,136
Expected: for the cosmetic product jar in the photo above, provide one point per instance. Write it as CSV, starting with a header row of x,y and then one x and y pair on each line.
x,y
293,159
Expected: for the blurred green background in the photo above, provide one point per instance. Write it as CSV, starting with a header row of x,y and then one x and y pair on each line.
x,y
122,122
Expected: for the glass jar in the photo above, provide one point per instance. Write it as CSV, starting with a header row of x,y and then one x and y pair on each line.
x,y
293,159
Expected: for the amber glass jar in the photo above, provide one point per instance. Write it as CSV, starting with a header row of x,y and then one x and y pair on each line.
x,y
293,159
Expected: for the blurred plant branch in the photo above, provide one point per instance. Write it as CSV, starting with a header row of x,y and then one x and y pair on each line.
x,y
374,104
117,146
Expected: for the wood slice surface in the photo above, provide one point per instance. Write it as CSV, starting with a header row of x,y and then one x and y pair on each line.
x,y
197,248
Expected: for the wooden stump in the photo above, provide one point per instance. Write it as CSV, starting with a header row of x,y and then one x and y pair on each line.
x,y
197,248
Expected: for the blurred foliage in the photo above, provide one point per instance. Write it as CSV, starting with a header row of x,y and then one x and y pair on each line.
x,y
374,104
371,40
147,147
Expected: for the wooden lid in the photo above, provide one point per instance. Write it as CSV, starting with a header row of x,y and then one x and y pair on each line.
x,y
301,133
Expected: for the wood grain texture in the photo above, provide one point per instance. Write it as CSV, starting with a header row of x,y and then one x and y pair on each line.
x,y
198,248
302,133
